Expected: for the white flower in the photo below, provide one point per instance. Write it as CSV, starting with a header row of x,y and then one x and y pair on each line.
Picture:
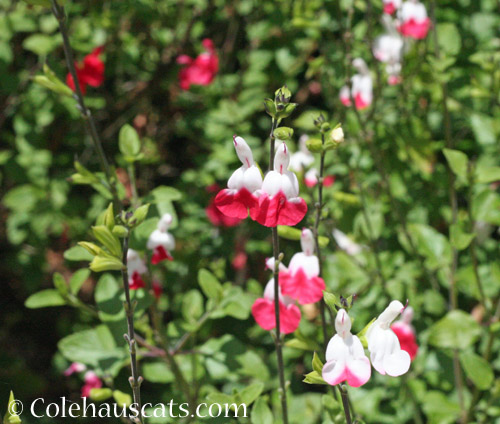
x,y
345,356
303,158
386,354
346,244
161,241
338,135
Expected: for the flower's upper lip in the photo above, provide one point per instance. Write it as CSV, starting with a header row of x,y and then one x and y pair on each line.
x,y
234,140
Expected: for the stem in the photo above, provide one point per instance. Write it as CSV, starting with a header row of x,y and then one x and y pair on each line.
x,y
276,252
453,300
58,12
135,380
133,185
345,403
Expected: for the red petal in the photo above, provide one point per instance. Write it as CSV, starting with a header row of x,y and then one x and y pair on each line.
x,y
136,281
160,254
277,210
235,205
263,312
300,287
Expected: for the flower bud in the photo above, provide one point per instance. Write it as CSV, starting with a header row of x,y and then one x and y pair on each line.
x,y
337,135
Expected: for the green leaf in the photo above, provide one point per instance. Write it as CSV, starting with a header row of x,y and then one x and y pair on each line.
x,y
192,305
60,284
157,372
101,395
314,378
439,408
140,215
459,238
77,280
449,38
457,330
108,239
330,300
477,369
41,44
483,128
314,145
129,143
487,174
105,262
362,334
44,299
261,413
458,162
433,245
249,394
209,285
109,217
11,416
122,399
317,364
77,254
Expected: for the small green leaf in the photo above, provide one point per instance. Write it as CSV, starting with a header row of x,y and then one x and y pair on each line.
x,y
122,399
289,233
249,394
261,413
129,143
330,300
77,280
457,330
477,369
44,299
459,238
457,161
314,378
108,239
91,248
314,145
317,364
140,215
210,285
109,217
487,174
78,253
100,395
105,262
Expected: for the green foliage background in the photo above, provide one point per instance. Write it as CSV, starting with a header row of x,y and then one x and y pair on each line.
x,y
391,169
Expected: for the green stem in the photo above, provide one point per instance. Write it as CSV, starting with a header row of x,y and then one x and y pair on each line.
x,y
345,403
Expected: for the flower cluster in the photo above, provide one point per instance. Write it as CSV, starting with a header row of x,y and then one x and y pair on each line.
x,y
88,72
199,71
345,356
91,379
271,201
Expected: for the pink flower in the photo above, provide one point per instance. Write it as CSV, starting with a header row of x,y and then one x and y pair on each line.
x,y
136,268
301,280
385,351
406,333
239,197
279,201
240,260
346,244
161,242
362,87
157,289
92,381
75,367
390,6
199,71
311,179
345,356
394,79
415,22
217,218
263,311
89,72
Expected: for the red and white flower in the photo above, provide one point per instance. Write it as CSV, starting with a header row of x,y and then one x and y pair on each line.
x,y
346,244
239,197
301,281
302,158
88,72
161,242
361,85
199,71
414,20
92,381
279,201
345,356
311,178
136,267
75,367
263,311
386,354
390,6
406,333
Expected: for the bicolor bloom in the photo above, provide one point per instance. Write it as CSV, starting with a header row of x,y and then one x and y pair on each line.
x,y
388,49
75,367
406,333
92,381
414,20
311,178
199,71
361,85
302,158
161,242
136,267
239,197
263,311
346,244
390,6
385,351
88,72
279,201
345,356
217,218
157,289
301,281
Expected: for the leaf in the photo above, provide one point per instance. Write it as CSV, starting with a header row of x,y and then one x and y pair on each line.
x,y
439,409
77,253
122,399
209,285
457,330
44,299
41,44
431,244
457,161
314,378
192,305
107,298
105,262
108,239
477,369
128,142
487,174
261,413
317,364
459,238
483,128
157,372
11,416
101,394
330,300
249,394
449,38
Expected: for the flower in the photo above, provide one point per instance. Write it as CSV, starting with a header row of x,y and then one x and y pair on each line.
x,y
303,158
345,356
239,261
161,242
199,71
136,268
75,367
415,22
239,197
301,280
385,352
387,48
390,6
311,178
217,218
362,87
92,381
89,72
157,289
263,311
337,135
406,333
346,244
279,201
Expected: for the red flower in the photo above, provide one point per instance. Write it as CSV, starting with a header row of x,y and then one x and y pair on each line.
x,y
89,72
217,218
92,381
157,289
199,71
